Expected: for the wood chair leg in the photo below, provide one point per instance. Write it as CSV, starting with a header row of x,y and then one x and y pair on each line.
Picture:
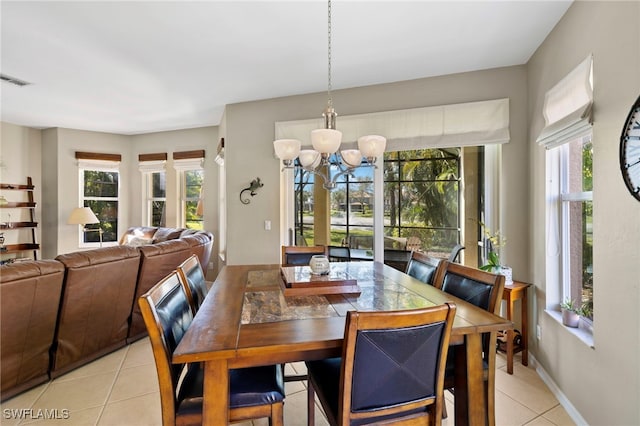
x,y
277,414
311,405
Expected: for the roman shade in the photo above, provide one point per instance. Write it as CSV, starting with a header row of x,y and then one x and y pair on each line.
x,y
445,126
568,106
151,163
98,161
188,160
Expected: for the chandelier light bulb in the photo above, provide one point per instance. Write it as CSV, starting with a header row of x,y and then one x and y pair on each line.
x,y
287,149
351,157
326,141
309,159
372,146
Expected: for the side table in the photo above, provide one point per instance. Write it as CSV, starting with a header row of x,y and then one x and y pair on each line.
x,y
513,292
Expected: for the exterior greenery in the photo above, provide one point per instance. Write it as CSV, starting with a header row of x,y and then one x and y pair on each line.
x,y
421,201
100,193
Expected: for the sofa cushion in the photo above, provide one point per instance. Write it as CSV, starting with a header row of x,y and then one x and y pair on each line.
x,y
29,297
166,234
96,304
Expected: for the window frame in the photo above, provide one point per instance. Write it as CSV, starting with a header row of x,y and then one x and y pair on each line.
x,y
558,234
96,167
150,199
184,199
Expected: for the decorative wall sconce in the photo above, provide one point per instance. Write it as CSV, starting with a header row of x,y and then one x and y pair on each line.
x,y
253,186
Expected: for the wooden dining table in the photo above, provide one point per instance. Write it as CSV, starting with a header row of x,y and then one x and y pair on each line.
x,y
245,320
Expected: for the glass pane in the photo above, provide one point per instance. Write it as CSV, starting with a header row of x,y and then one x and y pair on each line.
x,y
158,185
158,213
192,219
107,214
581,251
391,202
580,166
193,183
100,184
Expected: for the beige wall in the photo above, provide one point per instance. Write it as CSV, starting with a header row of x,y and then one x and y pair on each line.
x,y
249,153
20,153
601,383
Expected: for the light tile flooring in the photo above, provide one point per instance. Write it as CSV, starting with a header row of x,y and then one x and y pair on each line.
x,y
121,389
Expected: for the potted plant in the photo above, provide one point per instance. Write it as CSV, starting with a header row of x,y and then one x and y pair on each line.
x,y
494,242
586,315
570,313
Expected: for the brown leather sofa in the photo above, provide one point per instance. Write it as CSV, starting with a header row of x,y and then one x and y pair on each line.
x,y
96,304
60,314
162,250
29,297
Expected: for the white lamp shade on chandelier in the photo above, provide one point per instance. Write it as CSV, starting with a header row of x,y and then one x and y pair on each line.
x,y
326,142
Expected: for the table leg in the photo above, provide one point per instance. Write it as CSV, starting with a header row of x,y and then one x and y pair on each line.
x,y
470,406
525,328
215,405
510,337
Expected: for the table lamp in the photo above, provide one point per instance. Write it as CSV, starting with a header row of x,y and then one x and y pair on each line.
x,y
83,216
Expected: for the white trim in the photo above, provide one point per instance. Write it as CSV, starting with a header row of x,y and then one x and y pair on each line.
x,y
557,392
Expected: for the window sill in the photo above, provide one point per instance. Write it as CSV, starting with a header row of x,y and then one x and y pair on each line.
x,y
585,335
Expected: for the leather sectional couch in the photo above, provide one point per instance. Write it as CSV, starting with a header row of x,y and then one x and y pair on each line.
x,y
60,314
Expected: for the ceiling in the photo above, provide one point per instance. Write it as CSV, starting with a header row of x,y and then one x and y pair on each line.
x,y
145,66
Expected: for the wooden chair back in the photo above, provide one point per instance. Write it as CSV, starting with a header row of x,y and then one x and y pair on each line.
x,y
167,315
380,379
484,290
299,255
423,267
473,285
339,254
192,278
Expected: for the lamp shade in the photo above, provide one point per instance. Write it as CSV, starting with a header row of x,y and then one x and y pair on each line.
x,y
351,157
287,149
309,159
372,146
82,216
326,141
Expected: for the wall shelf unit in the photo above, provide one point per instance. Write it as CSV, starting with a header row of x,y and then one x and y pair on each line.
x,y
17,194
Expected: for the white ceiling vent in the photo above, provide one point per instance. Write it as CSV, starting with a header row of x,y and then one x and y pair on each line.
x,y
13,80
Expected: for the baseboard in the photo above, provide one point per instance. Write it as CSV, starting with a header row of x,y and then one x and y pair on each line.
x,y
560,396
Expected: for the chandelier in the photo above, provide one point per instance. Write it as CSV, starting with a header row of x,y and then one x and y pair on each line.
x,y
326,143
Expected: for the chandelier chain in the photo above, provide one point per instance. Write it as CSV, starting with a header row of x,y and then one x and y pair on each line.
x,y
330,100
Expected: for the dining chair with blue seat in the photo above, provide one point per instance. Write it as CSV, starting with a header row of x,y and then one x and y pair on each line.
x,y
339,254
301,255
484,290
192,278
376,379
423,267
254,392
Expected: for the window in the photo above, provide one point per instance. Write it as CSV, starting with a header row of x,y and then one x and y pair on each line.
x,y
422,198
190,168
576,160
567,136
100,190
191,206
156,198
351,208
154,188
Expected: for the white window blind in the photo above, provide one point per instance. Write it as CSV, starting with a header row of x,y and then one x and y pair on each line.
x,y
444,126
567,107
152,166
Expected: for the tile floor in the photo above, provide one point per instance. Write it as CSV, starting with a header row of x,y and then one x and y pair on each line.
x,y
121,389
